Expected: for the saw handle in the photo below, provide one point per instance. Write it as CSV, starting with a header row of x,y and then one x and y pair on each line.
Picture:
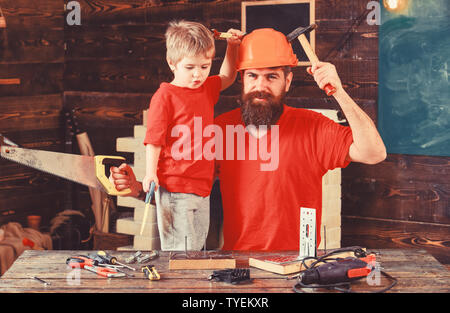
x,y
100,162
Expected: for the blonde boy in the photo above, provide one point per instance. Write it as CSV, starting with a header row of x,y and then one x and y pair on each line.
x,y
182,176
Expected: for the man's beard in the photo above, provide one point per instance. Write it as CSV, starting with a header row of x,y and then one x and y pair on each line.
x,y
259,113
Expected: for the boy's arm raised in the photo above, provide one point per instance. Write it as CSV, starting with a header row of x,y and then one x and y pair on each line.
x,y
228,69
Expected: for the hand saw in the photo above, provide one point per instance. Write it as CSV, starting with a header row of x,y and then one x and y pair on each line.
x,y
82,169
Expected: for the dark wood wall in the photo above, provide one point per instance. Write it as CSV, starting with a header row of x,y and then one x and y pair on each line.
x,y
32,50
108,68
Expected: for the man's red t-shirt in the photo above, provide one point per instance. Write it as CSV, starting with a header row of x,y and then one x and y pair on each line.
x,y
261,209
177,117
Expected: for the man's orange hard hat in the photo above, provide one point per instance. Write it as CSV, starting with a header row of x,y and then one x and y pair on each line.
x,y
265,47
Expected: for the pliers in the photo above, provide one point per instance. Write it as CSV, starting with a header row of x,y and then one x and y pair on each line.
x,y
80,261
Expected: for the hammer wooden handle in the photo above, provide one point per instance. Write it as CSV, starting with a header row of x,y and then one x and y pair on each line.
x,y
329,89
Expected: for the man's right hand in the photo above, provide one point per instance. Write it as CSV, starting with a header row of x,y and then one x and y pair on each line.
x,y
123,177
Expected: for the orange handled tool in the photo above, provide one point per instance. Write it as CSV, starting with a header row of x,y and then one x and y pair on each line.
x,y
104,271
80,261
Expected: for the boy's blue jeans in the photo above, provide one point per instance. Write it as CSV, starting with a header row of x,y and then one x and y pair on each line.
x,y
182,218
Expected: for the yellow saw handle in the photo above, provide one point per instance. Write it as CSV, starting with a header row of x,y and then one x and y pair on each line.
x,y
100,161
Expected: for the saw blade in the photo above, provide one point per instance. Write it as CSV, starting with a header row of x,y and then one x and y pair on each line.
x,y
77,168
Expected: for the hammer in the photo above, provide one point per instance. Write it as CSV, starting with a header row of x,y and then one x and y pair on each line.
x,y
300,34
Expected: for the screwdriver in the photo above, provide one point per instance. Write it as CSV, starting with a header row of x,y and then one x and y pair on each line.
x,y
112,260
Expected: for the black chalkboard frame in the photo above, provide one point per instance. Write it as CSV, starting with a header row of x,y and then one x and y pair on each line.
x,y
291,14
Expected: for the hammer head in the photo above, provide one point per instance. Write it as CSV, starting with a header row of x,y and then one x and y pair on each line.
x,y
300,30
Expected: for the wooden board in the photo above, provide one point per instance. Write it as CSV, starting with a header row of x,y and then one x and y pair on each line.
x,y
201,264
201,260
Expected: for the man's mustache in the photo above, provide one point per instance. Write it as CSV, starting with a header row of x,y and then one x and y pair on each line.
x,y
258,94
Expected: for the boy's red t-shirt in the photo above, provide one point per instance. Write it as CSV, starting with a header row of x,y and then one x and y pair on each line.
x,y
261,209
177,117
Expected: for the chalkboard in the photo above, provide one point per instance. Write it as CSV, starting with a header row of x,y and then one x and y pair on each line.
x,y
414,88
283,16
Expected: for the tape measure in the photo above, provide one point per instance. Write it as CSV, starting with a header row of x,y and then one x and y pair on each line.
x,y
307,233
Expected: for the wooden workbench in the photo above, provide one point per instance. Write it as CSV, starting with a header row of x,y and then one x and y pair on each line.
x,y
415,270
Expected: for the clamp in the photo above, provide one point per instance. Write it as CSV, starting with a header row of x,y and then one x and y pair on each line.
x,y
150,272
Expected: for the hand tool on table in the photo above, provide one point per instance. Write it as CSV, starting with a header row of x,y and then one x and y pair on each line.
x,y
337,272
139,257
150,272
133,258
104,271
232,276
85,170
81,261
112,259
148,198
40,280
117,268
300,34
147,257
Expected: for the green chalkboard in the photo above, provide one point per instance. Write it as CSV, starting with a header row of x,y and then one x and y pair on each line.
x,y
414,87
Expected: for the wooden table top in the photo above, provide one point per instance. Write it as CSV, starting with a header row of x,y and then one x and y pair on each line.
x,y
415,270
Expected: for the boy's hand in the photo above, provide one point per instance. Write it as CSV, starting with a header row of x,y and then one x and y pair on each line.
x,y
148,179
235,40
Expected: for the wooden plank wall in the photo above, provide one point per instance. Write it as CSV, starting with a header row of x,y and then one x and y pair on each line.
x,y
31,49
115,60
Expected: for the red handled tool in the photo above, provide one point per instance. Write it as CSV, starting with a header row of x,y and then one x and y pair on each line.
x,y
80,261
104,271
339,271
220,35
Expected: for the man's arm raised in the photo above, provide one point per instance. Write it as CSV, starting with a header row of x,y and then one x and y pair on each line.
x,y
367,146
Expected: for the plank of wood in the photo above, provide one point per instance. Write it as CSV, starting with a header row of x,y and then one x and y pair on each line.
x,y
283,269
131,75
125,12
147,243
201,264
393,199
385,233
31,44
131,227
30,113
46,14
431,169
35,78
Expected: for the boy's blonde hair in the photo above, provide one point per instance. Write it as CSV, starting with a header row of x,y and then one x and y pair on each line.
x,y
185,38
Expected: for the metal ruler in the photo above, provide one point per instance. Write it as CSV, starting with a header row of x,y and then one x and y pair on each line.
x,y
307,233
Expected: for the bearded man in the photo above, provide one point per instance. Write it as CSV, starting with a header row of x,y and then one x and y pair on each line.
x,y
261,208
